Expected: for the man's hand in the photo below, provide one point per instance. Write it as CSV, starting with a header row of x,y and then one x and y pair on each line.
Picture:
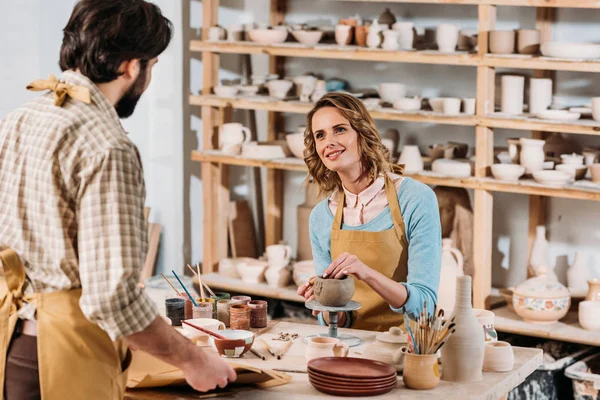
x,y
206,370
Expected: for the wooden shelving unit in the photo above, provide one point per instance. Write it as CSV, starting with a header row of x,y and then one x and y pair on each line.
x,y
216,110
216,281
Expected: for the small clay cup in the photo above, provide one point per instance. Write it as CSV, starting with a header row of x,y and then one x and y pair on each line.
x,y
528,41
421,371
498,357
502,42
595,171
258,313
360,35
334,292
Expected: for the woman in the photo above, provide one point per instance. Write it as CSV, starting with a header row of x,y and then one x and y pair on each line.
x,y
376,225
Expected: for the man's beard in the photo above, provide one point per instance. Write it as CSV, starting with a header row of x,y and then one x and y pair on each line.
x,y
126,105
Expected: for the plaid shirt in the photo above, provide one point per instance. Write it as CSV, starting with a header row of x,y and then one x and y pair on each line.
x,y
72,206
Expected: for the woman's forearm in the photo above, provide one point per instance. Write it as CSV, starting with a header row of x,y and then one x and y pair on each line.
x,y
391,291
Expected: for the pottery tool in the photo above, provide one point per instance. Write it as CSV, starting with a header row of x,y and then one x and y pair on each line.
x,y
201,329
203,283
258,354
186,291
267,346
285,348
200,281
170,284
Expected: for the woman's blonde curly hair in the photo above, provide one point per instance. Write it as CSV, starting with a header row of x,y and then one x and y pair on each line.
x,y
375,157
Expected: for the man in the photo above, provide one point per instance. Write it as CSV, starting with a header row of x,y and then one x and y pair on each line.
x,y
72,229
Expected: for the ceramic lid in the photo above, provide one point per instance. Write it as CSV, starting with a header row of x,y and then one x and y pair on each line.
x,y
542,287
394,336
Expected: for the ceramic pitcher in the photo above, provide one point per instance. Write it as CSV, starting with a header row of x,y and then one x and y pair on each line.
x,y
317,347
279,255
532,154
452,268
234,133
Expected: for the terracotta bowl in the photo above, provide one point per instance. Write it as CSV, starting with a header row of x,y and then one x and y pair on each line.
x,y
237,344
334,292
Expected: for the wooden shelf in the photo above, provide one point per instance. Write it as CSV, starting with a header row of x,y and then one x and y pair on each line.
x,y
333,51
514,3
543,63
583,127
216,281
528,187
567,329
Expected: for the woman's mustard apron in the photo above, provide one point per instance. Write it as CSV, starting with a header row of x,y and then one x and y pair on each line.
x,y
385,252
76,359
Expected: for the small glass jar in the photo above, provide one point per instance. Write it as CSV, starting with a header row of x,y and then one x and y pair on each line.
x,y
258,313
223,311
204,310
175,310
212,302
188,306
219,296
239,316
240,300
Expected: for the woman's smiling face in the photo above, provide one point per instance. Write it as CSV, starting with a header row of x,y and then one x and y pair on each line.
x,y
336,141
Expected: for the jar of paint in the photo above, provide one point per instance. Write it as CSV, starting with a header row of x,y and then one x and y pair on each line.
x,y
219,296
258,313
223,311
239,315
187,306
175,310
240,300
204,310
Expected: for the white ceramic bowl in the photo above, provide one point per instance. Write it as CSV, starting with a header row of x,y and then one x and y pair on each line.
x,y
278,277
228,266
252,271
295,142
279,88
541,300
303,270
508,172
408,104
249,90
579,51
390,92
268,36
309,38
588,315
552,178
225,91
451,168
213,325
558,115
577,172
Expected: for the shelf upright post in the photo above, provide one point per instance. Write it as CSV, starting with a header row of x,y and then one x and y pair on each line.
x,y
484,139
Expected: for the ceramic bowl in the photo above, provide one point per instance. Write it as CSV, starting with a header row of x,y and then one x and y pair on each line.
x,y
334,292
295,142
437,104
252,271
588,315
279,88
552,178
541,300
577,172
580,51
390,92
225,91
249,90
408,104
508,172
266,150
451,168
498,357
237,344
309,38
572,159
558,115
228,266
371,103
302,271
268,36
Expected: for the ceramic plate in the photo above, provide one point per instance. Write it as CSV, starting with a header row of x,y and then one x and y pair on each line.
x,y
352,392
334,386
351,367
352,381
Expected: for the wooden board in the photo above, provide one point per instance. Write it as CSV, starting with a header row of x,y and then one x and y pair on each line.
x,y
216,281
154,231
241,230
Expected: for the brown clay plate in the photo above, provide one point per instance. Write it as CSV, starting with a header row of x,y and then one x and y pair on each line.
x,y
351,367
358,381
359,384
340,391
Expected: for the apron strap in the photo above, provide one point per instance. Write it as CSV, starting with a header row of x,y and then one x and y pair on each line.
x,y
339,213
14,272
392,197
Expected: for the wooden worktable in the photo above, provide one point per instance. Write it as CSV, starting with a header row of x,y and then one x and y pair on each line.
x,y
493,386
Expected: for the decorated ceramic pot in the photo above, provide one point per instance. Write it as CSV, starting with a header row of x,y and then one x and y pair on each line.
x,y
541,300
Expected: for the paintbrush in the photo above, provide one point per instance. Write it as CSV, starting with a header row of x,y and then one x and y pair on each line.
x,y
444,341
267,346
285,348
203,283
170,284
200,281
201,329
186,291
258,354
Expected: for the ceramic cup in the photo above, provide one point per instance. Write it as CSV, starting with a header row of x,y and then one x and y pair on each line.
x,y
588,315
447,37
235,32
210,324
596,108
360,33
421,371
528,41
595,172
216,33
451,106
498,357
406,34
390,40
223,311
343,35
502,42
234,134
468,105
513,92
279,255
540,94
318,347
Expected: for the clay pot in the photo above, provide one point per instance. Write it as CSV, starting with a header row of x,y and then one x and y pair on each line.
x,y
541,300
502,42
594,292
595,172
447,37
240,300
360,35
528,41
334,292
343,35
421,371
258,313
318,347
498,357
532,154
239,316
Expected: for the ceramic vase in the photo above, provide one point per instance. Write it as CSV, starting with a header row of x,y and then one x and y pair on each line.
x,y
577,274
540,94
412,160
513,91
532,155
390,40
462,355
406,35
447,37
540,252
594,290
374,36
498,357
421,371
360,34
452,268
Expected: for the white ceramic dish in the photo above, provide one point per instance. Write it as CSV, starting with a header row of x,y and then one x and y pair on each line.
x,y
309,38
558,115
295,142
552,178
578,51
390,92
437,104
266,150
249,90
279,88
268,36
451,168
508,172
225,91
408,104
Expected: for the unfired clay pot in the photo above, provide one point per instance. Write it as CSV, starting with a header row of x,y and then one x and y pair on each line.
x,y
421,371
502,42
498,357
334,292
528,41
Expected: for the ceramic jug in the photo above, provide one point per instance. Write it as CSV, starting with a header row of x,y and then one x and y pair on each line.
x,y
279,255
462,355
532,155
594,291
411,158
234,133
317,347
452,268
577,274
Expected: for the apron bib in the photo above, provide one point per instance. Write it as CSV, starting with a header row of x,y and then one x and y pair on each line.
x,y
385,251
76,359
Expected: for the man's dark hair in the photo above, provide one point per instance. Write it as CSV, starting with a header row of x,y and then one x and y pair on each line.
x,y
101,34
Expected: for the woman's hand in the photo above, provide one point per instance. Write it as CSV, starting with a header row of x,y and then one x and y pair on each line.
x,y
346,264
307,290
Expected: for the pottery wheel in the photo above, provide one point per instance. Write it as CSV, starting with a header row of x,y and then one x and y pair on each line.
x,y
352,305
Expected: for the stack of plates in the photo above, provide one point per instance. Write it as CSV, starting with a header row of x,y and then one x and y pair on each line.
x,y
348,376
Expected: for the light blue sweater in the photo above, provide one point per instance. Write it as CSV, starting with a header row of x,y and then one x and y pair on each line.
x,y
419,208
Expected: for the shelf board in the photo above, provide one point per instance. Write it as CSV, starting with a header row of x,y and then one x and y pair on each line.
x,y
216,281
537,62
267,103
567,329
515,3
583,127
524,186
333,51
